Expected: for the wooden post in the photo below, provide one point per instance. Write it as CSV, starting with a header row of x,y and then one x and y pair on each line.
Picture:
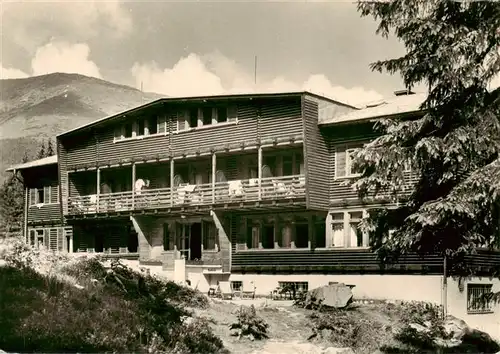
x,y
214,172
171,181
133,185
259,163
310,230
98,190
445,287
26,209
278,235
347,226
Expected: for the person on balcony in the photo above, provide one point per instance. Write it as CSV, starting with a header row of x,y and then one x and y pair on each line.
x,y
140,184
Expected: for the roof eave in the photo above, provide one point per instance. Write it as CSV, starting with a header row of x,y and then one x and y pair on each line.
x,y
369,119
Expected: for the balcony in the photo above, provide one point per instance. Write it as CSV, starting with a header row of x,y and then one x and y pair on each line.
x,y
190,195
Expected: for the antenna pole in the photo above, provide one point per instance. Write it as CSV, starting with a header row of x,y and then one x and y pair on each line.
x,y
255,71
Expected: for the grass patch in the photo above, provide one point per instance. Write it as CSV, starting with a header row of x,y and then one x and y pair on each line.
x,y
101,310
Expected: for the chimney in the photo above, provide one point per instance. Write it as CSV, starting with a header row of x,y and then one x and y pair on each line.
x,y
406,92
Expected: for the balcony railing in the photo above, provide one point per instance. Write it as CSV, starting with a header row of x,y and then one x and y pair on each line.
x,y
274,188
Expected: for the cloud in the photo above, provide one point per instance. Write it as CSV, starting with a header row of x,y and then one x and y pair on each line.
x,y
30,23
188,77
64,57
11,73
214,73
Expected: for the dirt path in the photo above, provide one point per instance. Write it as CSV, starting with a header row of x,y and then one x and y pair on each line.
x,y
289,327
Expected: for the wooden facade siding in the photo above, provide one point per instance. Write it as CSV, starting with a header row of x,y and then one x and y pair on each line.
x,y
131,149
354,261
279,120
114,236
326,260
316,158
62,164
45,212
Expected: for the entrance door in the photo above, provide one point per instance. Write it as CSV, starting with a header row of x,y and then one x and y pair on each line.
x,y
195,241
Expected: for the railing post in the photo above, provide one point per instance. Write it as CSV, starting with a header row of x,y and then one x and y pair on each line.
x,y
259,162
98,189
133,185
214,172
171,181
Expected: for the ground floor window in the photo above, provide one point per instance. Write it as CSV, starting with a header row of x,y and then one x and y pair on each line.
x,y
319,233
292,288
252,234
479,298
345,230
209,235
301,233
236,285
133,241
285,231
40,238
52,238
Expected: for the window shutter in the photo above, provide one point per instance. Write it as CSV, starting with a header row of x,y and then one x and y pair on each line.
x,y
54,194
46,194
162,124
32,240
232,113
32,196
340,161
60,239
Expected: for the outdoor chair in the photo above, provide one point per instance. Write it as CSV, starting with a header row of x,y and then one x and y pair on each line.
x,y
224,290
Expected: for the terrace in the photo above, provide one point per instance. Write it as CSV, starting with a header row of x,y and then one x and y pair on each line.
x,y
191,183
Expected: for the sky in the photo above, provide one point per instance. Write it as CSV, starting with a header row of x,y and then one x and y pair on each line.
x,y
201,48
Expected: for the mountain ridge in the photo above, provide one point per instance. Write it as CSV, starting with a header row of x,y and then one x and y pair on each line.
x,y
40,107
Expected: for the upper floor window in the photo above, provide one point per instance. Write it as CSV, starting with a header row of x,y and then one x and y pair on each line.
x,y
193,117
344,160
43,195
127,130
205,116
152,125
141,127
207,113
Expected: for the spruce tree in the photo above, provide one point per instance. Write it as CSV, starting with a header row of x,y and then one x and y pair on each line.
x,y
41,153
453,48
11,202
50,148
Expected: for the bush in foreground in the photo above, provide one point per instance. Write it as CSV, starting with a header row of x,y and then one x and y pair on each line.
x,y
249,324
102,310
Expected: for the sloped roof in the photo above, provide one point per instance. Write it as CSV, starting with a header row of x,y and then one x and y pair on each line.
x,y
383,108
51,160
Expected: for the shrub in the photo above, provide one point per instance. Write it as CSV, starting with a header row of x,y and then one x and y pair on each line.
x,y
343,327
197,337
249,324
